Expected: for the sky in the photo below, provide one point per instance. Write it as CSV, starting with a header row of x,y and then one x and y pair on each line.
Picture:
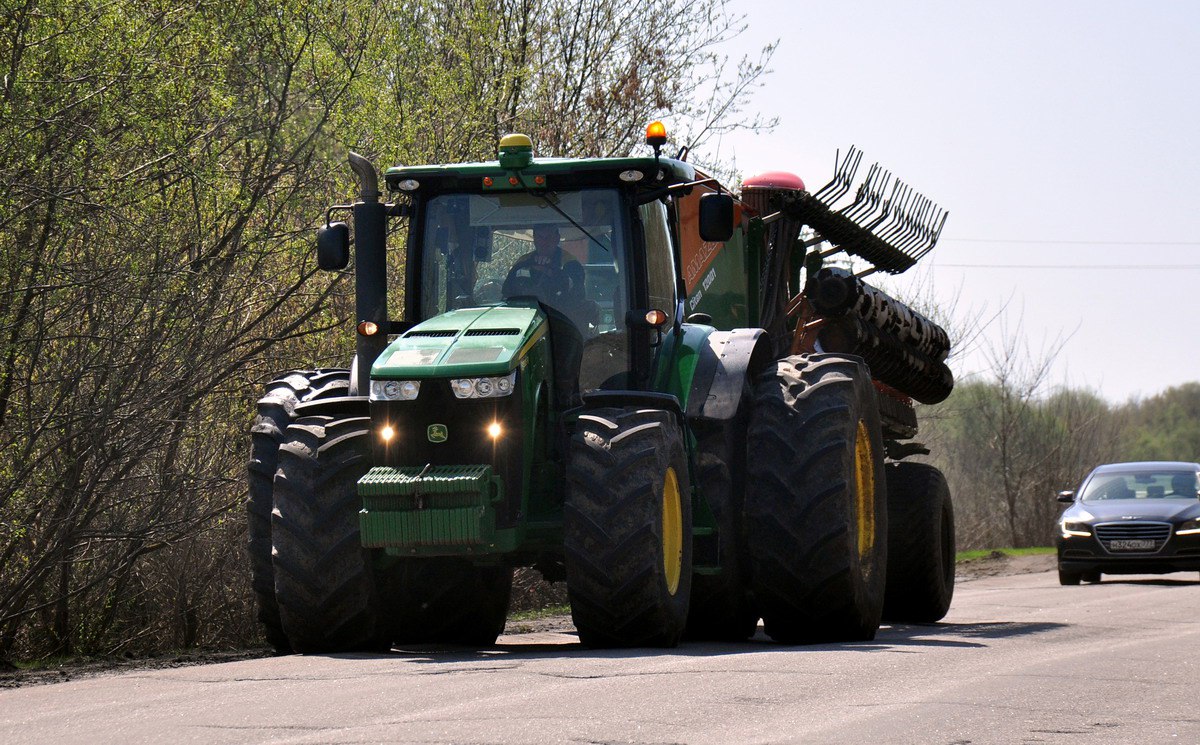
x,y
1061,136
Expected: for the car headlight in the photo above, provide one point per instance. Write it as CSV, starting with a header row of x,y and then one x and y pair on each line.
x,y
395,390
484,387
1071,528
1190,527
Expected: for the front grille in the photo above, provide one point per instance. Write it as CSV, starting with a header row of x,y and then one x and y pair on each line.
x,y
492,332
1158,533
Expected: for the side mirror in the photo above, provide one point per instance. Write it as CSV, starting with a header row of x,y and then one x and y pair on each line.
x,y
716,218
333,246
1066,496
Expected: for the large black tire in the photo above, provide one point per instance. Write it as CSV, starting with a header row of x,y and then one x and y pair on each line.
x,y
446,601
324,583
921,545
276,411
721,607
627,521
1067,577
816,503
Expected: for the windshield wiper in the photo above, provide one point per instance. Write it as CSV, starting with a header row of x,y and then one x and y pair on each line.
x,y
542,196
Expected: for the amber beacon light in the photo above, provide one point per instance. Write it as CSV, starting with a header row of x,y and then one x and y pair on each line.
x,y
656,135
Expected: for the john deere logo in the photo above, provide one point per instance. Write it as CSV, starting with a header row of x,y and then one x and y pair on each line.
x,y
437,433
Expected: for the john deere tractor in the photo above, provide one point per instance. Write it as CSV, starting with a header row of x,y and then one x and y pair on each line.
x,y
616,372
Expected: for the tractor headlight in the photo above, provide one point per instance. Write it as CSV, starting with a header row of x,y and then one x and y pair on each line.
x,y
484,387
1075,529
1191,527
395,390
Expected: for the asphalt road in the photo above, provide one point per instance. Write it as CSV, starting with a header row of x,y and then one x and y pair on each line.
x,y
1019,659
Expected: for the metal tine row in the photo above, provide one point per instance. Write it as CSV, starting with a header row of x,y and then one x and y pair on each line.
x,y
906,221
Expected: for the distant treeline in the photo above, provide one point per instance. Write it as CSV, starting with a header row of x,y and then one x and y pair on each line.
x,y
163,166
1007,450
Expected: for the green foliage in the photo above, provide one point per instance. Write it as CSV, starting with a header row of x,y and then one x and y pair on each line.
x,y
1165,427
162,165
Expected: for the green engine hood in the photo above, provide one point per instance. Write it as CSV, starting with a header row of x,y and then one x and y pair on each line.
x,y
469,342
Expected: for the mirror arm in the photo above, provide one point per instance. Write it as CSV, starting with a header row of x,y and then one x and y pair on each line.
x,y
337,208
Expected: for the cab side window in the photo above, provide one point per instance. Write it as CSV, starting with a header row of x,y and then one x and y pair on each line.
x,y
660,262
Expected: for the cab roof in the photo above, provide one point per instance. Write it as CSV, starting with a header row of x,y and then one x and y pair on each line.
x,y
673,171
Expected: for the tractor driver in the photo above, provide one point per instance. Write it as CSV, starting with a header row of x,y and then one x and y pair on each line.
x,y
556,279
547,272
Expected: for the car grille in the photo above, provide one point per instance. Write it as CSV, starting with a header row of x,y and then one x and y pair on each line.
x,y
1126,531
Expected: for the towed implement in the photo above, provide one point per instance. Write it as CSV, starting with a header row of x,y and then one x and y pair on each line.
x,y
616,372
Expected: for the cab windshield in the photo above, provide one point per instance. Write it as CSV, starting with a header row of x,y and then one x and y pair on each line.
x,y
1141,485
566,250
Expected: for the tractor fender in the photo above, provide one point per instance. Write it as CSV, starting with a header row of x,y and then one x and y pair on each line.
x,y
645,399
725,361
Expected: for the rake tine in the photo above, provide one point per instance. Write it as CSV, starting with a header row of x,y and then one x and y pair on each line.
x,y
884,221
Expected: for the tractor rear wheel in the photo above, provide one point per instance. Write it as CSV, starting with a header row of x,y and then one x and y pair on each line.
x,y
276,410
816,502
627,524
324,583
447,601
920,544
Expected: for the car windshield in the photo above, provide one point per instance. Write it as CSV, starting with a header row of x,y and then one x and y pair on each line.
x,y
1141,485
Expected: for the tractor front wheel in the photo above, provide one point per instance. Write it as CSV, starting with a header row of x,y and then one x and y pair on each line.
x,y
324,582
627,522
276,411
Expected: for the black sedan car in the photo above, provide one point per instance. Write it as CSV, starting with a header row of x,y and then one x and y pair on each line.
x,y
1131,518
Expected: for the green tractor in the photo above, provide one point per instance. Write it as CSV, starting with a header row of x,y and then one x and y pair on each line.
x,y
614,371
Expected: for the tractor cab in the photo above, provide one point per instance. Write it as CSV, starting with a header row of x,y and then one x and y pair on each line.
x,y
589,244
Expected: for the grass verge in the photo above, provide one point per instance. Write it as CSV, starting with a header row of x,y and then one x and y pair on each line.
x,y
998,552
536,613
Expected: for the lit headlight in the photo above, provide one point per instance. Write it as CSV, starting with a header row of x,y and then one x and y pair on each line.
x,y
1191,527
1076,529
395,390
484,387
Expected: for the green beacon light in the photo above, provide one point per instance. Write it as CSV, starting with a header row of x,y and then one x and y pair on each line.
x,y
516,151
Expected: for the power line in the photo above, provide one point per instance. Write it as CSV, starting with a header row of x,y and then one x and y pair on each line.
x,y
1069,243
1122,267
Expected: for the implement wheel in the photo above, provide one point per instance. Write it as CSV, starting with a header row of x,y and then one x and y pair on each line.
x,y
447,601
920,544
816,501
628,529
323,579
276,410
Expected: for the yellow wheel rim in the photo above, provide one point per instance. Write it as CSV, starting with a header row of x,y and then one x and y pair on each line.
x,y
672,531
864,483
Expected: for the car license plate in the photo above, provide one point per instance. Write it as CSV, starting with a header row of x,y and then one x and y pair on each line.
x,y
1131,544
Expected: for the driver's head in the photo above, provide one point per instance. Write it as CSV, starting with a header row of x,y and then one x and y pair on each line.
x,y
1183,483
545,238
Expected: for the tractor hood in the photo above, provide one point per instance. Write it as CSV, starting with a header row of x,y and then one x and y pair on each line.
x,y
468,342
